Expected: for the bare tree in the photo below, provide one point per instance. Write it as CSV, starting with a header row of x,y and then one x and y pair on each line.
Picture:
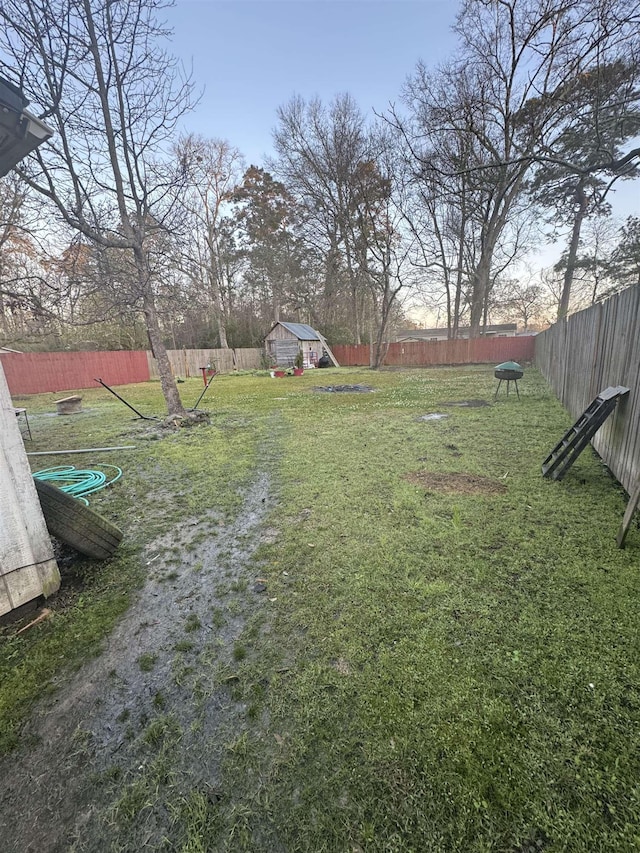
x,y
624,260
439,212
215,170
607,115
521,300
589,262
383,245
113,96
344,176
511,94
30,301
320,151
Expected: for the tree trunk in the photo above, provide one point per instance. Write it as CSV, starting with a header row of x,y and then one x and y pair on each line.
x,y
376,342
218,305
459,268
380,351
456,304
222,322
158,349
356,315
479,292
381,345
563,307
222,332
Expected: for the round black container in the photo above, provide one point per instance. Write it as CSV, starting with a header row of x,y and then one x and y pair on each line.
x,y
507,374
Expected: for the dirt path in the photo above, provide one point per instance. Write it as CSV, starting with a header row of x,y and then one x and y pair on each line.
x,y
122,744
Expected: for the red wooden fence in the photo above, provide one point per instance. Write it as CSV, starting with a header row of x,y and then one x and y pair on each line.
x,y
37,372
426,353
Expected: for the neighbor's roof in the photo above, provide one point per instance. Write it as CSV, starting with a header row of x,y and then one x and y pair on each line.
x,y
425,333
301,331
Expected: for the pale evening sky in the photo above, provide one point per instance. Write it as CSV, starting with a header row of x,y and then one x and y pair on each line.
x,y
252,56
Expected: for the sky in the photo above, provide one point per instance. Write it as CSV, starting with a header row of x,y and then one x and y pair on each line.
x,y
251,57
248,57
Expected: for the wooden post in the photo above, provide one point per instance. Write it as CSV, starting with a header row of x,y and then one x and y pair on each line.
x,y
27,568
634,500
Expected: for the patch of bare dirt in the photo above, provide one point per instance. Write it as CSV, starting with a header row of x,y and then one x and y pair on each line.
x,y
342,666
463,484
343,389
191,418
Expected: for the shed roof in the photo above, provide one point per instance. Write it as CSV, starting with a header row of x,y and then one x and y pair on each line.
x,y
301,331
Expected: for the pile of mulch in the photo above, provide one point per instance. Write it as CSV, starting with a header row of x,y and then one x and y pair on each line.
x,y
191,418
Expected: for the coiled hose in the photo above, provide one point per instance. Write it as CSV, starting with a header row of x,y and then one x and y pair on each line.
x,y
78,481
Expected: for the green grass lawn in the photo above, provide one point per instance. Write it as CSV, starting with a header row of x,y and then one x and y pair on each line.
x,y
436,669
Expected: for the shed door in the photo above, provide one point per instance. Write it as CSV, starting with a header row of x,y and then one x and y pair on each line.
x,y
285,351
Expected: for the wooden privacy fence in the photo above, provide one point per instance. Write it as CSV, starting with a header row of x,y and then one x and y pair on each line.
x,y
433,353
38,372
187,362
33,373
589,351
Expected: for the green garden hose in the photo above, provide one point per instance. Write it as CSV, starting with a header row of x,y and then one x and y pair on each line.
x,y
78,482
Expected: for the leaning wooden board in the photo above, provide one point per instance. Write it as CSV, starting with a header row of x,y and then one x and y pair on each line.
x,y
634,500
27,565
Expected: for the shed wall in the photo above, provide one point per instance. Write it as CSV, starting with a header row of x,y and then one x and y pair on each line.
x,y
27,566
279,333
284,355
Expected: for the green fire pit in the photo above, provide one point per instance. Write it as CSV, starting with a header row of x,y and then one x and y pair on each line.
x,y
508,371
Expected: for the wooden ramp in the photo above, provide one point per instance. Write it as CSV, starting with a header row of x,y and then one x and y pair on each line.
x,y
326,346
573,442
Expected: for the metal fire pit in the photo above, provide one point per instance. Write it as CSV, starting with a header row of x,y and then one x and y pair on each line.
x,y
508,371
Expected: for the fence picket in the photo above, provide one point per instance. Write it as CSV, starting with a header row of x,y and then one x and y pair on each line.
x,y
435,353
585,353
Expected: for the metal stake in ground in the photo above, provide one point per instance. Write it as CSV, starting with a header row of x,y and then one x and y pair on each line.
x,y
206,387
122,400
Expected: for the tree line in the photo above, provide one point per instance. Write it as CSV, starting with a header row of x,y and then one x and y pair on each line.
x,y
124,231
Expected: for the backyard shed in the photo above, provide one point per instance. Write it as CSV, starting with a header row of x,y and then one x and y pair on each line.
x,y
286,340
